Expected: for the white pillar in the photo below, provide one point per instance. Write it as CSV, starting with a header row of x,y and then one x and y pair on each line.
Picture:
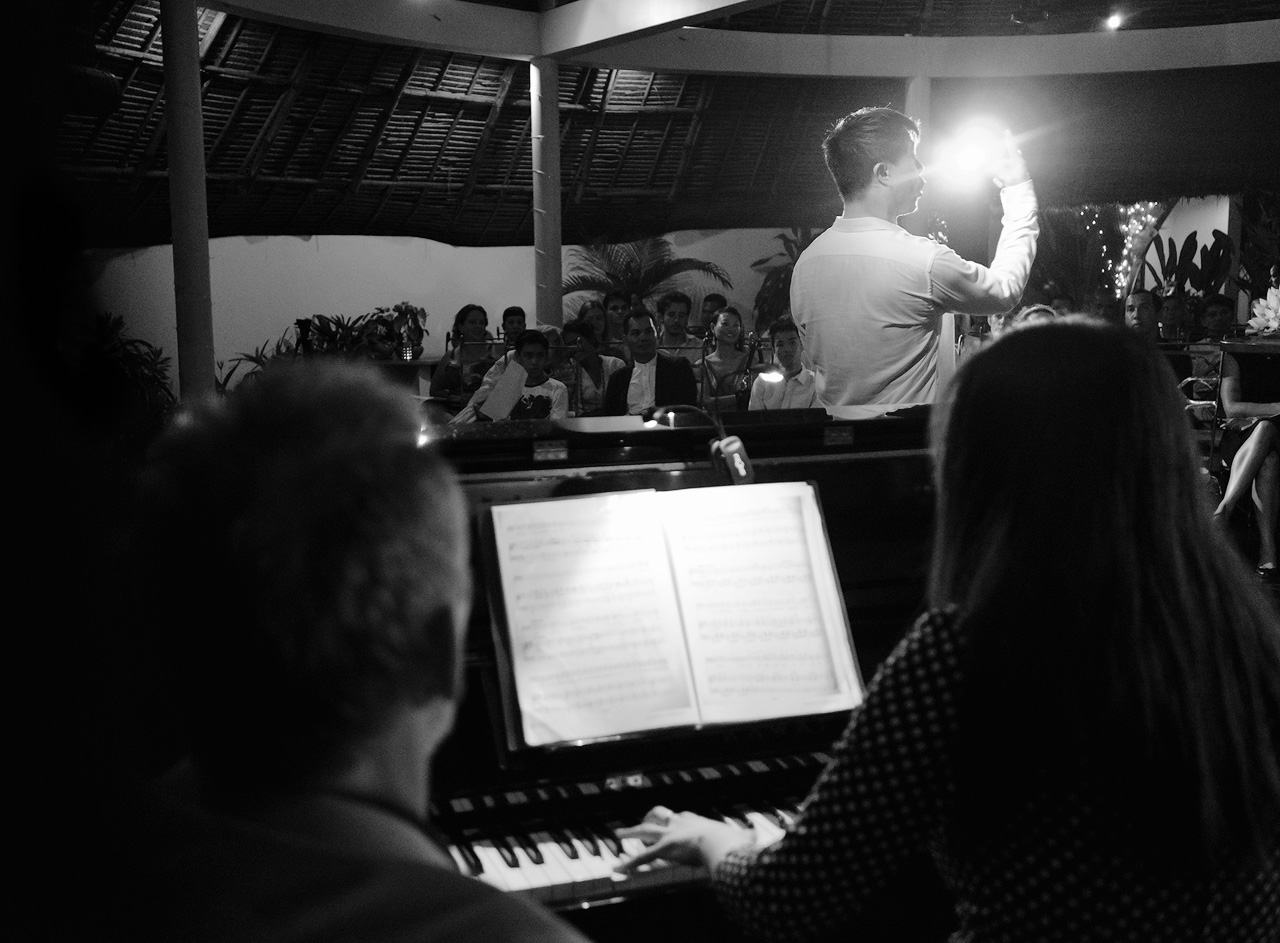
x,y
188,209
544,80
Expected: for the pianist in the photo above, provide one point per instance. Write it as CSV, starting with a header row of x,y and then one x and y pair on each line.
x,y
1082,732
317,555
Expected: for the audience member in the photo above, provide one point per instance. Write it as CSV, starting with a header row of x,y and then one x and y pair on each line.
x,y
1031,314
1219,316
791,385
318,555
592,312
652,378
1251,447
724,372
675,339
543,397
1140,315
458,376
514,321
711,303
613,341
587,372
1081,731
869,296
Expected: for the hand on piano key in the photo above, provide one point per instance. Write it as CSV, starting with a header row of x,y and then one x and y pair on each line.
x,y
681,838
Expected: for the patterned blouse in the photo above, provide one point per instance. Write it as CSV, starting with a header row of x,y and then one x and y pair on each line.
x,y
887,794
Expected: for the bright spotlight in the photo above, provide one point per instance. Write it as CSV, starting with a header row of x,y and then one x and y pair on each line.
x,y
967,160
1114,21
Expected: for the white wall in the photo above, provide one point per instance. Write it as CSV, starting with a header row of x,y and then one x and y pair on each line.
x,y
1201,215
261,285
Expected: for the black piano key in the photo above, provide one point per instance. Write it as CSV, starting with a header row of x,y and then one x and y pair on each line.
x,y
469,855
504,849
587,837
605,832
563,838
530,847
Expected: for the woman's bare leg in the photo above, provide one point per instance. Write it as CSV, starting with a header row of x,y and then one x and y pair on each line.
x,y
1266,498
1246,465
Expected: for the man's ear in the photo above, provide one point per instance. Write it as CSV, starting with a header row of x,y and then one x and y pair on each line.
x,y
881,171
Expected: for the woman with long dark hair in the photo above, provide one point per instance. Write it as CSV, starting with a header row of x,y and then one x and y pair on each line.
x,y
473,352
1082,730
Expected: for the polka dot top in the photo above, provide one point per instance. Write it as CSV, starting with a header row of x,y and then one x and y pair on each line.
x,y
1061,874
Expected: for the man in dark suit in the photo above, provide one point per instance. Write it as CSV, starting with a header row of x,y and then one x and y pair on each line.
x,y
653,379
316,551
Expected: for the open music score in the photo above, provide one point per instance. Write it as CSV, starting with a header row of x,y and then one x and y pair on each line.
x,y
637,611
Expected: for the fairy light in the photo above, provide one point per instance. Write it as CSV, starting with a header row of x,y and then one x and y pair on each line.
x,y
1136,218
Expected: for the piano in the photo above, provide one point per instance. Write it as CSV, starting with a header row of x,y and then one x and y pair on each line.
x,y
543,822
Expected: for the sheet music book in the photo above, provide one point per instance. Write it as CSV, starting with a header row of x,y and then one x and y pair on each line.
x,y
637,611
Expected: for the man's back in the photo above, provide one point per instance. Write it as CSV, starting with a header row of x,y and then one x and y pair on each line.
x,y
861,296
182,874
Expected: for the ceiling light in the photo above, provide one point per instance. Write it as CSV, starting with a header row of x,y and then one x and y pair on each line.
x,y
1114,21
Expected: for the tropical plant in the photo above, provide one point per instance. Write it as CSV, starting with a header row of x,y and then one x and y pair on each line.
x,y
1259,243
774,297
130,378
647,268
1075,242
378,335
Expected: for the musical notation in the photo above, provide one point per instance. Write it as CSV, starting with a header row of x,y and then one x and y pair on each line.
x,y
627,612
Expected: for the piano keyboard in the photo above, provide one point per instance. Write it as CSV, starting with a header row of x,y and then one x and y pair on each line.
x,y
559,843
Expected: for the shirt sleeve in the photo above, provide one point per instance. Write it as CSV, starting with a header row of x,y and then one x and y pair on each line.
x,y
873,809
757,394
559,400
969,288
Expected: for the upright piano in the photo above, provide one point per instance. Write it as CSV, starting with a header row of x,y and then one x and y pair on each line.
x,y
543,822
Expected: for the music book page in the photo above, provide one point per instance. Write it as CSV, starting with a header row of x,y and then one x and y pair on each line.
x,y
643,610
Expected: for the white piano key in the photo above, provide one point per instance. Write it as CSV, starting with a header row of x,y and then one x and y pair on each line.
x,y
496,869
539,878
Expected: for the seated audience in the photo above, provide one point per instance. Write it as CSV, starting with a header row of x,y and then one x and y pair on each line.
x,y
587,372
652,379
724,372
543,396
1251,446
675,339
473,352
318,555
791,385
1081,730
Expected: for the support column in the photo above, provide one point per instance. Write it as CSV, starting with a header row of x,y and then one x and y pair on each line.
x,y
188,210
544,92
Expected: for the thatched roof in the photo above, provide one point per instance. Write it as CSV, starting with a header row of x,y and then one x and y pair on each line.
x,y
310,132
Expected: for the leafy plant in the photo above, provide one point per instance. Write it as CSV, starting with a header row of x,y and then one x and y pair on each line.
x,y
647,268
1070,258
131,380
378,335
774,296
1259,243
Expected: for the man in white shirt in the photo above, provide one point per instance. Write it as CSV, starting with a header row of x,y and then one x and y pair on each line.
x,y
791,386
869,296
675,339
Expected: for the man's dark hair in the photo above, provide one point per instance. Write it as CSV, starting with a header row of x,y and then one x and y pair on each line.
x,y
610,295
317,554
671,298
637,315
863,139
783,326
531,337
514,311
716,299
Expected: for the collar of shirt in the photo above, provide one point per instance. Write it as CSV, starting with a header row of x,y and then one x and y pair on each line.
x,y
864,224
641,390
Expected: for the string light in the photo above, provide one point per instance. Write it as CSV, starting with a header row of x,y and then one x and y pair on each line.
x,y
1136,218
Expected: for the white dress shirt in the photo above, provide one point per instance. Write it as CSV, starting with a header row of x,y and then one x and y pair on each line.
x,y
642,388
869,297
